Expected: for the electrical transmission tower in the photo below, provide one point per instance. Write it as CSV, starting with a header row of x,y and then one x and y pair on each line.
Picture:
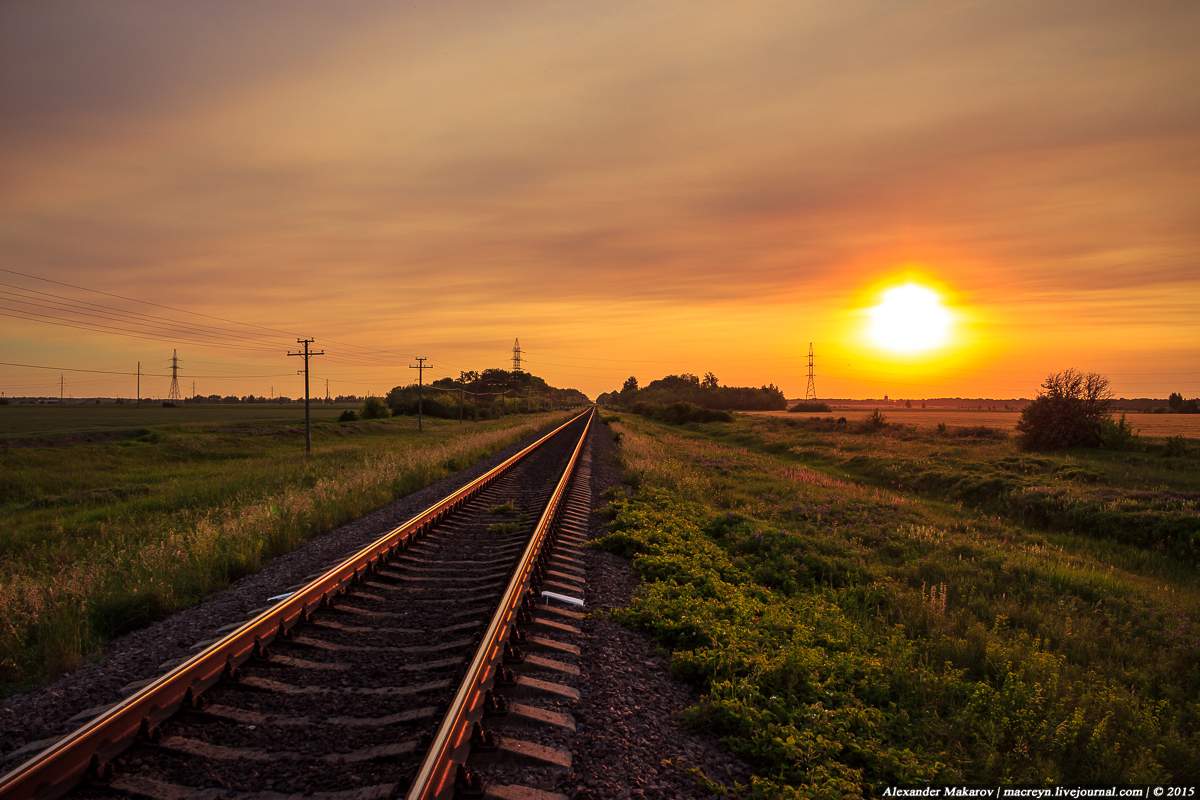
x,y
173,395
420,367
517,355
328,399
306,354
810,392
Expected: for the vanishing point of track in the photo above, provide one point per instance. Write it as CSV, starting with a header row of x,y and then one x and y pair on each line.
x,y
375,679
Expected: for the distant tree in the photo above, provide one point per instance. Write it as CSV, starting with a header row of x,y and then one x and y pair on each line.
x,y
468,376
375,408
1175,401
710,381
630,386
1070,411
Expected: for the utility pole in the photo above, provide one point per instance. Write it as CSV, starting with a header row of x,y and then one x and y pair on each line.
x,y
420,367
139,384
62,382
306,354
462,380
810,392
328,399
193,390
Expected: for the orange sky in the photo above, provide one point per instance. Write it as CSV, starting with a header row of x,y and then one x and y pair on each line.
x,y
629,187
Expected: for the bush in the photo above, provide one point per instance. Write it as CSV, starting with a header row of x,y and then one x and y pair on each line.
x,y
1070,411
1117,435
681,413
375,408
875,421
1175,446
810,405
349,415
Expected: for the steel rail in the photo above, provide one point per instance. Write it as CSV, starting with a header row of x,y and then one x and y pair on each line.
x,y
56,770
442,770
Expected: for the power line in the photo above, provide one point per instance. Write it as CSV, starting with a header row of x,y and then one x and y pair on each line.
x,y
147,374
148,302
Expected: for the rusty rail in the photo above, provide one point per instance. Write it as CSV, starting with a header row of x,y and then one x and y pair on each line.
x,y
443,769
56,770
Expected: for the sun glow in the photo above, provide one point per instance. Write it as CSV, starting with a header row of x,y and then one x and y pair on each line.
x,y
909,319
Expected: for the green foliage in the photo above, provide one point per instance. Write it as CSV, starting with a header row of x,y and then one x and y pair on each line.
x,y
1175,446
844,638
706,393
1070,411
680,413
812,406
349,415
1116,435
375,408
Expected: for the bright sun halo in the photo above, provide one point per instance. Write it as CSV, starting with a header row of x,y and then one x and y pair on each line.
x,y
909,319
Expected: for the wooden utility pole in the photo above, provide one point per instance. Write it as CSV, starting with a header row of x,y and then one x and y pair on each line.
x,y
306,354
420,367
139,384
460,404
62,382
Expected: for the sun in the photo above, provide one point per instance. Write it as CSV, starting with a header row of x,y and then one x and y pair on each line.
x,y
909,319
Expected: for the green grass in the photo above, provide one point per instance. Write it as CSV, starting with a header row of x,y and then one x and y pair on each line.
x,y
44,421
101,537
846,635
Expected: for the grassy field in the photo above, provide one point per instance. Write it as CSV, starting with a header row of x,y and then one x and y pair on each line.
x,y
26,421
1145,424
853,624
103,536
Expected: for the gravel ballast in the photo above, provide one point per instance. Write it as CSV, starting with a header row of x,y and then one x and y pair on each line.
x,y
630,743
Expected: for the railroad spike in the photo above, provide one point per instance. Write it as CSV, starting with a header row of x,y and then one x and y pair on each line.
x,y
494,705
467,784
483,739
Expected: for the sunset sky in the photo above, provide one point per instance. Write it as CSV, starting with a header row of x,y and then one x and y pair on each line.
x,y
630,188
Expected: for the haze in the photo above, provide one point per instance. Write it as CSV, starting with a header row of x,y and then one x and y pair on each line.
x,y
630,188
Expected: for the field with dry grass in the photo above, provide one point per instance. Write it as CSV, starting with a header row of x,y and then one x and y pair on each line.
x,y
101,537
1155,425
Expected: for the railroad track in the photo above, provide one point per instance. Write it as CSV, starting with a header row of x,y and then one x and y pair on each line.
x,y
433,663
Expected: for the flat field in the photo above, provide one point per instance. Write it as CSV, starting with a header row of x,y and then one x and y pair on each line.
x,y
1155,425
859,609
104,532
30,421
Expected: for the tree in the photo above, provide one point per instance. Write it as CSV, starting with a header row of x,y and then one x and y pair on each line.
x,y
1070,411
710,381
1175,401
375,408
630,386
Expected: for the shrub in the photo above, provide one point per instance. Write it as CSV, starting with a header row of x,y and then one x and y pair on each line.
x,y
1175,446
1117,435
375,408
810,405
349,415
1070,411
875,421
681,413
